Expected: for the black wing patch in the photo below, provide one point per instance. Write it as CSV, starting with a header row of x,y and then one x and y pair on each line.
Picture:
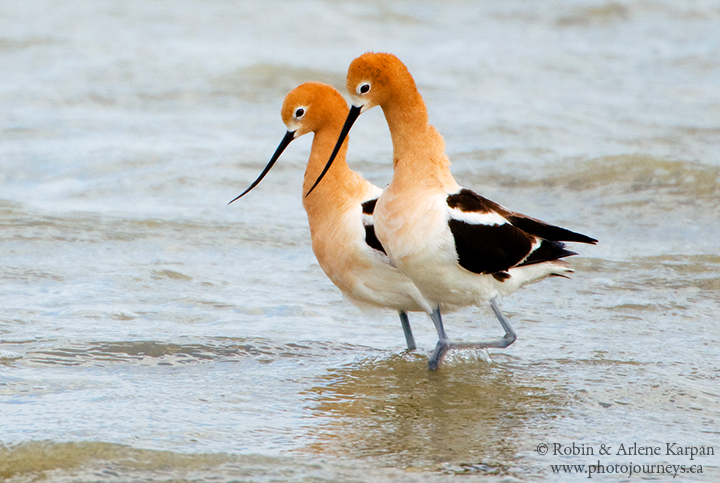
x,y
489,248
494,249
548,232
546,252
371,239
466,200
368,208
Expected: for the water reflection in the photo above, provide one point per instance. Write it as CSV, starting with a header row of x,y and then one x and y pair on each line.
x,y
394,409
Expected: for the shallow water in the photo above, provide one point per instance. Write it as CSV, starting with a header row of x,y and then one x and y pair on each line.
x,y
150,332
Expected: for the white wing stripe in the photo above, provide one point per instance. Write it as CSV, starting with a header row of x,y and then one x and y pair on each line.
x,y
475,218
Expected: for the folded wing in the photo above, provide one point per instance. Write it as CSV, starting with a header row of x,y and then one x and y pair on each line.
x,y
491,240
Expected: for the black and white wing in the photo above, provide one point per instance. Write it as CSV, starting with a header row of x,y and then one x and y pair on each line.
x,y
491,240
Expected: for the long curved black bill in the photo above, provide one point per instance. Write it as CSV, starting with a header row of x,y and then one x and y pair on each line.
x,y
352,115
289,136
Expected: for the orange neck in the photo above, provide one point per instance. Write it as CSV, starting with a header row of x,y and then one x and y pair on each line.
x,y
340,186
418,148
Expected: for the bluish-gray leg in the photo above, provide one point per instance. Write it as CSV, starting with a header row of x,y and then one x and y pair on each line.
x,y
407,330
500,343
510,335
443,343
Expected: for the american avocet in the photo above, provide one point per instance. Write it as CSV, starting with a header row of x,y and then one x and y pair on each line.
x,y
457,247
340,213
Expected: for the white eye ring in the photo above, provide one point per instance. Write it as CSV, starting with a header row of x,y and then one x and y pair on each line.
x,y
299,112
363,88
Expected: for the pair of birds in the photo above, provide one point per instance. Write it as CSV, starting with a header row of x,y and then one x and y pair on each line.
x,y
423,243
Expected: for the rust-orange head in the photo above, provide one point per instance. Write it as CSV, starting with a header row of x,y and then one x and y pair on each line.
x,y
375,77
307,108
311,105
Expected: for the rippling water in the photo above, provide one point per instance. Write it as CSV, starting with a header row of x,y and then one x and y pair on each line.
x,y
150,332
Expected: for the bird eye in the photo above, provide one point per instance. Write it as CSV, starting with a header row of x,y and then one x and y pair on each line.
x,y
299,113
363,88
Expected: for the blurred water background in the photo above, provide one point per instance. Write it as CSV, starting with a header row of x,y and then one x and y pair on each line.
x,y
150,332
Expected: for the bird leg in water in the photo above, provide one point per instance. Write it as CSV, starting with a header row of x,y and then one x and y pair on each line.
x,y
407,330
500,343
444,344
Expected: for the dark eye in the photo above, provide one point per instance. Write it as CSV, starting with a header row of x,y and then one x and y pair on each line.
x,y
364,89
299,113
